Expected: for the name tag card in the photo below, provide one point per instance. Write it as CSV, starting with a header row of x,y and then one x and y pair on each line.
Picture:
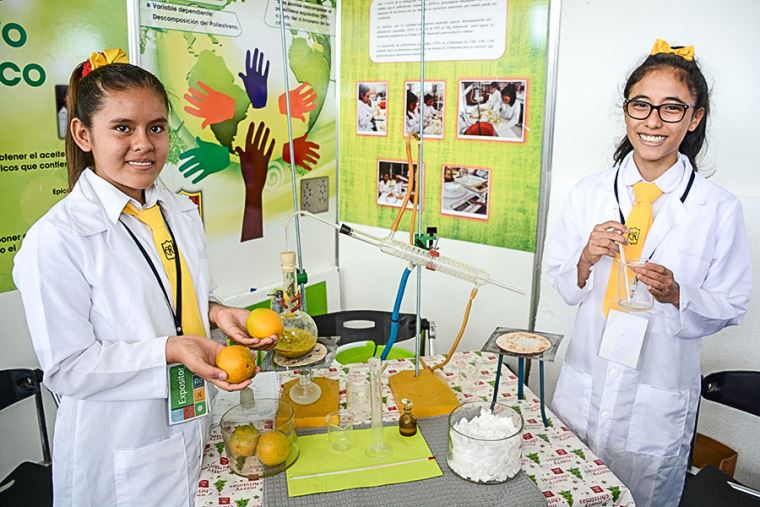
x,y
188,397
623,338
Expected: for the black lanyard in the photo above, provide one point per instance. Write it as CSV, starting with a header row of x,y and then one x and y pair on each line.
x,y
617,199
176,314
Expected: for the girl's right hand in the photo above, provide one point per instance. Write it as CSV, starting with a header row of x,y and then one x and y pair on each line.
x,y
604,240
199,354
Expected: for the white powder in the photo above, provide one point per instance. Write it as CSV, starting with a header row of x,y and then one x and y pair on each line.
x,y
485,460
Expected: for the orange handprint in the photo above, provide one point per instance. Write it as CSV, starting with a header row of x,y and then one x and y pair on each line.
x,y
306,152
302,100
213,107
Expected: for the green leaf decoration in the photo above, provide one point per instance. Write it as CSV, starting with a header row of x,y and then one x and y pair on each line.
x,y
568,496
219,485
579,453
532,478
219,447
544,437
242,503
534,457
615,490
576,472
517,409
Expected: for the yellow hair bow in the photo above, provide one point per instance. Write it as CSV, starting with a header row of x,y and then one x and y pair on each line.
x,y
103,58
660,46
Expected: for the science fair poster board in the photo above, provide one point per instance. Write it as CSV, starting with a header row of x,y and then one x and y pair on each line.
x,y
222,65
40,44
485,81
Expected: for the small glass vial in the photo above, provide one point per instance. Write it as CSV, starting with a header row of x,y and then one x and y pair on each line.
x,y
407,423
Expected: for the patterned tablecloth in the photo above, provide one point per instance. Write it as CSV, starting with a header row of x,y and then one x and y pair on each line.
x,y
562,467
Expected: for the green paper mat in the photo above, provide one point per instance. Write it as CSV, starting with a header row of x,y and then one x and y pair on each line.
x,y
319,469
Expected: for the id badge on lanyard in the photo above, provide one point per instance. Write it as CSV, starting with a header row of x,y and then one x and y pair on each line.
x,y
188,393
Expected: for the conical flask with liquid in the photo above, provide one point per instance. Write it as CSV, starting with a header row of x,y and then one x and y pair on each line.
x,y
299,332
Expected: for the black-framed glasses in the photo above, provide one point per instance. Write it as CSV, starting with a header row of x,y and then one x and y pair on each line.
x,y
670,112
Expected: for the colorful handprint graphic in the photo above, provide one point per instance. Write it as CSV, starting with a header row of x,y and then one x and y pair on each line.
x,y
204,160
305,152
302,100
254,164
213,106
255,78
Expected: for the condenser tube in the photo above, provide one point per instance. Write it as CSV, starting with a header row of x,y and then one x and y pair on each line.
x,y
422,257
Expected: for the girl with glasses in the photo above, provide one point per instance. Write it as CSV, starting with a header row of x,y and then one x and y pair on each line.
x,y
630,383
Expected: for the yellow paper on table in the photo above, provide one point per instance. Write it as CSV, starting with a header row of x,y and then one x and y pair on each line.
x,y
319,469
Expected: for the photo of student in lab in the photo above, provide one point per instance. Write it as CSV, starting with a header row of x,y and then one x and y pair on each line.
x,y
465,191
432,111
392,182
492,110
371,108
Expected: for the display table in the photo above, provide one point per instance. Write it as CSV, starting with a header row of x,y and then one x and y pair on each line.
x,y
563,468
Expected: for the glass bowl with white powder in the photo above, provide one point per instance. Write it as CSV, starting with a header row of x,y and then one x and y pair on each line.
x,y
485,445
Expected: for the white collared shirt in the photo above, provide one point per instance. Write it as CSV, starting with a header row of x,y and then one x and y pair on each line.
x,y
114,201
668,181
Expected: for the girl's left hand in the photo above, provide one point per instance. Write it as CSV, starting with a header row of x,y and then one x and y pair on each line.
x,y
231,321
660,282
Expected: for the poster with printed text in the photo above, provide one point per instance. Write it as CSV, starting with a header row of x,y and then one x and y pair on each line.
x,y
481,111
40,44
224,66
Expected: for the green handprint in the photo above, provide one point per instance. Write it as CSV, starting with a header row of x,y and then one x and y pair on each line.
x,y
206,159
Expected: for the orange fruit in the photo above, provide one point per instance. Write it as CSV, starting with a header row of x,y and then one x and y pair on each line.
x,y
238,362
243,440
273,448
263,322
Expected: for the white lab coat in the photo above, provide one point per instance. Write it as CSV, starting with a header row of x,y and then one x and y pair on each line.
x,y
509,113
412,119
99,323
641,421
364,117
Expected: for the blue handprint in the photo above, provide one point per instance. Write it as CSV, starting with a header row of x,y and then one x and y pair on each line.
x,y
206,159
254,79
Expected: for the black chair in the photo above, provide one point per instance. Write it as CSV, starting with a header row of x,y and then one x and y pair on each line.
x,y
371,325
29,483
711,487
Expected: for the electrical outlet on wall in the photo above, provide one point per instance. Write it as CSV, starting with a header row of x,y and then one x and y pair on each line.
x,y
315,194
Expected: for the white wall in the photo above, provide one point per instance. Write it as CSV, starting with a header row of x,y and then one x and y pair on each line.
x,y
598,48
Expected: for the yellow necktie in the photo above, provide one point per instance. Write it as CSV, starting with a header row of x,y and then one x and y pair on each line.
x,y
192,324
639,222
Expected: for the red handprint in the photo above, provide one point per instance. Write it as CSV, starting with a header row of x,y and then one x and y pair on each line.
x,y
306,152
254,164
213,107
302,100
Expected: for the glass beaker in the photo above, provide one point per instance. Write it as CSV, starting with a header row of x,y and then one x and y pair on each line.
x,y
633,295
485,445
260,437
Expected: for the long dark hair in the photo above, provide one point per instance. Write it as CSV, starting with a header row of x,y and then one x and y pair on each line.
x,y
85,98
689,73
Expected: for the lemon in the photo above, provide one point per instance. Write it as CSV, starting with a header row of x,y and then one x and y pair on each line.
x,y
243,440
273,448
263,322
238,362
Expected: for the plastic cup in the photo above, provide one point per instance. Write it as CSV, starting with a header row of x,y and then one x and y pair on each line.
x,y
340,427
633,295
